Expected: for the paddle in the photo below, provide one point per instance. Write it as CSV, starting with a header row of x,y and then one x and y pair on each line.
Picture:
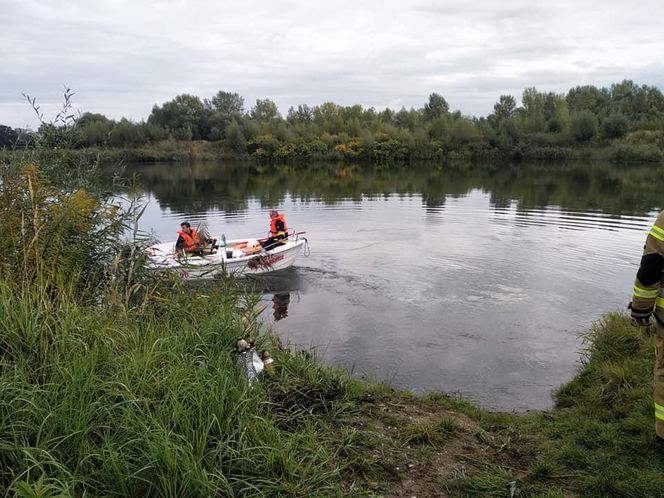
x,y
290,235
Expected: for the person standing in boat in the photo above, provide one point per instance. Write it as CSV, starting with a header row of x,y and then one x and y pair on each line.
x,y
278,231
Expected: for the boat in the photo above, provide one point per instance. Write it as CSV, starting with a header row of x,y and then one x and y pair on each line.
x,y
238,257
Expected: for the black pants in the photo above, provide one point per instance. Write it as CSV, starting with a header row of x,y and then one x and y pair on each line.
x,y
272,242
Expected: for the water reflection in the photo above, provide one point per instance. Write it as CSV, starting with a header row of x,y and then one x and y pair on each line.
x,y
474,279
280,304
201,187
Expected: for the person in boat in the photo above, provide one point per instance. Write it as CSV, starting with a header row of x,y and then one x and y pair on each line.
x,y
648,301
278,231
191,242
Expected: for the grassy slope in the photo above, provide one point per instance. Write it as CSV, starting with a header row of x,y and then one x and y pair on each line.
x,y
94,404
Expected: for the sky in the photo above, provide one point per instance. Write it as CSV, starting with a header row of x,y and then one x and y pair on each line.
x,y
122,57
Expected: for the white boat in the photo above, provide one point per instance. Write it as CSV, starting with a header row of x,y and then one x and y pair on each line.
x,y
236,258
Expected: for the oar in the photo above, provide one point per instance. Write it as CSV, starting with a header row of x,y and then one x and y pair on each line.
x,y
290,234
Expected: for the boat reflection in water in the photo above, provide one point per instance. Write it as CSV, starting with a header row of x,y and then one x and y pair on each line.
x,y
276,290
280,304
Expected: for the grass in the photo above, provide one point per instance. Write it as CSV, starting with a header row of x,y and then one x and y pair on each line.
x,y
100,404
157,407
432,433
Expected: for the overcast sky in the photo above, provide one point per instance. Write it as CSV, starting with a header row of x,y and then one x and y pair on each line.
x,y
121,57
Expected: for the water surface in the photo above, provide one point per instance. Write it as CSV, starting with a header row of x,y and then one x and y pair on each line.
x,y
474,281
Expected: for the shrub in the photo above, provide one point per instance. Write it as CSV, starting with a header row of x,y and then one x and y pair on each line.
x,y
639,153
236,141
547,153
646,137
266,144
315,147
285,151
584,126
555,125
615,126
391,150
185,134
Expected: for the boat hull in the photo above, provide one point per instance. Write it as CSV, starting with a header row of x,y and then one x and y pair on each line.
x,y
218,265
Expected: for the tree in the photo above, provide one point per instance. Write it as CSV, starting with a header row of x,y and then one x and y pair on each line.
x,y
615,126
184,112
407,119
584,126
95,128
463,131
587,98
327,111
353,112
228,104
126,133
96,132
235,138
328,117
264,110
224,107
89,117
554,106
533,110
8,136
302,115
387,115
505,107
508,135
435,108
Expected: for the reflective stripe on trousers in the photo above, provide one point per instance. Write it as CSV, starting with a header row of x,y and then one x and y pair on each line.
x,y
659,411
657,232
647,293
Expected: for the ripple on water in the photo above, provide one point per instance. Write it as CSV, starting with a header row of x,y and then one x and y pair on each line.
x,y
466,295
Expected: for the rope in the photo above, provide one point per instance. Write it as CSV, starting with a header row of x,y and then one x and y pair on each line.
x,y
307,249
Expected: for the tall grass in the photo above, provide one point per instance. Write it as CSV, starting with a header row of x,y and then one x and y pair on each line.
x,y
117,382
99,404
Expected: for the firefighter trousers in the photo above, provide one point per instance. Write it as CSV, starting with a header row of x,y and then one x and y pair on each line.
x,y
659,381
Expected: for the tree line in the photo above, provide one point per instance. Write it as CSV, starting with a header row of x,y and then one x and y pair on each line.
x,y
546,125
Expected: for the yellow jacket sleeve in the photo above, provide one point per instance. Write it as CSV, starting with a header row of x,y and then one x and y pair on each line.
x,y
649,277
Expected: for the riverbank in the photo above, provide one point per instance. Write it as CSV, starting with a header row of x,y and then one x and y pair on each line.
x,y
119,382
165,151
642,147
151,403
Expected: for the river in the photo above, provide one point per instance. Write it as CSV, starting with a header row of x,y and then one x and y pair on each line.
x,y
475,281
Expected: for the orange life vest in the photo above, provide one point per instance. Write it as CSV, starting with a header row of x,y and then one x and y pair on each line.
x,y
190,244
273,227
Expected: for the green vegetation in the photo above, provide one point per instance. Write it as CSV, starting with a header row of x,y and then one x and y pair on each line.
x,y
545,127
577,186
115,381
119,382
604,431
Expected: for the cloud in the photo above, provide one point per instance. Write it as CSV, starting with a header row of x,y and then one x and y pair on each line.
x,y
122,57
